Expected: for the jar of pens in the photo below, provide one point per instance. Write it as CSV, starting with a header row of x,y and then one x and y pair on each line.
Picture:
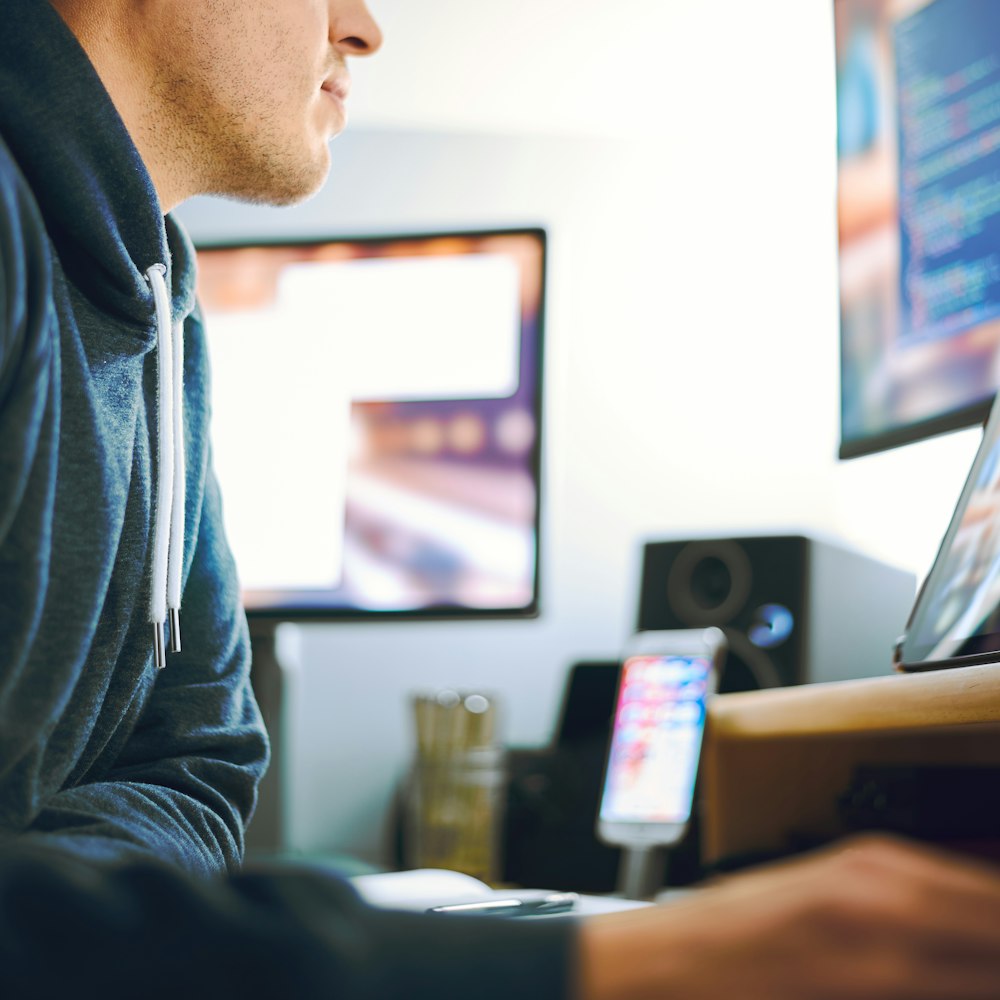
x,y
456,788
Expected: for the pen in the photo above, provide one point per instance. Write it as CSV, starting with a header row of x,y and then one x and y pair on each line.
x,y
514,906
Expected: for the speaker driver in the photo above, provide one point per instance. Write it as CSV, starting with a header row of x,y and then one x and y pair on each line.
x,y
709,582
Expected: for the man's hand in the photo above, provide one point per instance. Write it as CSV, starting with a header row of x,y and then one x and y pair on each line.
x,y
870,919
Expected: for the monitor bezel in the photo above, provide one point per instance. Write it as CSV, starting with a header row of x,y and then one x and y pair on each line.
x,y
963,418
435,612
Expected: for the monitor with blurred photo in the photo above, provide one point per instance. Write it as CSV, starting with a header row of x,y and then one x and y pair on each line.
x,y
376,421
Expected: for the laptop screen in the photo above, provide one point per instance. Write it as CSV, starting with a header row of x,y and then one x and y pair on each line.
x,y
957,614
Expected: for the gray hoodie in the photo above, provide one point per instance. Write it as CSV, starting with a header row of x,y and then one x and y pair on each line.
x,y
98,748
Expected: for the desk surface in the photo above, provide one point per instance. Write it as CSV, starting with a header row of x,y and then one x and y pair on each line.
x,y
958,697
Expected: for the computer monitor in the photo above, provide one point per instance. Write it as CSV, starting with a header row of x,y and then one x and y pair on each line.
x,y
918,116
376,421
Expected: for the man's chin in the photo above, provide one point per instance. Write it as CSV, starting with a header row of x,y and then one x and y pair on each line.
x,y
278,184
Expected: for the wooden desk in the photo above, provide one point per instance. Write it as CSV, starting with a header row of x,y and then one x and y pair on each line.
x,y
775,762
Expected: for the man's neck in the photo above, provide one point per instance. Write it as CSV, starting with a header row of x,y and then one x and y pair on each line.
x,y
110,39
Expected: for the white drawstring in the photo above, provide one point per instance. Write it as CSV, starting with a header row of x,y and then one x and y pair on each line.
x,y
176,558
168,509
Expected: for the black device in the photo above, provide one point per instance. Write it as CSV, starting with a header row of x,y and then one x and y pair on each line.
x,y
588,704
931,802
784,603
553,792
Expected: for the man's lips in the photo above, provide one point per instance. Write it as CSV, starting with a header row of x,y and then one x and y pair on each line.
x,y
338,86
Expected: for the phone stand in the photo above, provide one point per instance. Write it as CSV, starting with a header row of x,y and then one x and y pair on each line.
x,y
641,872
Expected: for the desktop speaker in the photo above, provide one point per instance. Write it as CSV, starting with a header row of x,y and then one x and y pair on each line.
x,y
795,609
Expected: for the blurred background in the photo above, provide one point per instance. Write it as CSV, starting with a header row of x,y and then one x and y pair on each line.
x,y
682,157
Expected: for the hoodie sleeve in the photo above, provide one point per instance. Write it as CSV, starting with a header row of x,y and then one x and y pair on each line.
x,y
184,786
74,929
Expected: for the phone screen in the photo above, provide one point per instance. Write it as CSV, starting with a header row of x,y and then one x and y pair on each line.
x,y
656,739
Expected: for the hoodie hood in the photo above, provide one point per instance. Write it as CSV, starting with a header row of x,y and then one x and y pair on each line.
x,y
103,215
96,196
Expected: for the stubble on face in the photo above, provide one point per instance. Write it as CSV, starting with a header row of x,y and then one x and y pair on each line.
x,y
245,121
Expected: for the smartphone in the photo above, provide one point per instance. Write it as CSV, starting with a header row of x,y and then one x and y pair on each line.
x,y
666,680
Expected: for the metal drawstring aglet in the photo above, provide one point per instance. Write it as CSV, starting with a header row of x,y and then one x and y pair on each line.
x,y
159,652
175,630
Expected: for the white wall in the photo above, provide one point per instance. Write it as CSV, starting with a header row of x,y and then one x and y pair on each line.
x,y
681,154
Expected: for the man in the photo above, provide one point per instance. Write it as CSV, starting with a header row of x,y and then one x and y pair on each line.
x,y
129,754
